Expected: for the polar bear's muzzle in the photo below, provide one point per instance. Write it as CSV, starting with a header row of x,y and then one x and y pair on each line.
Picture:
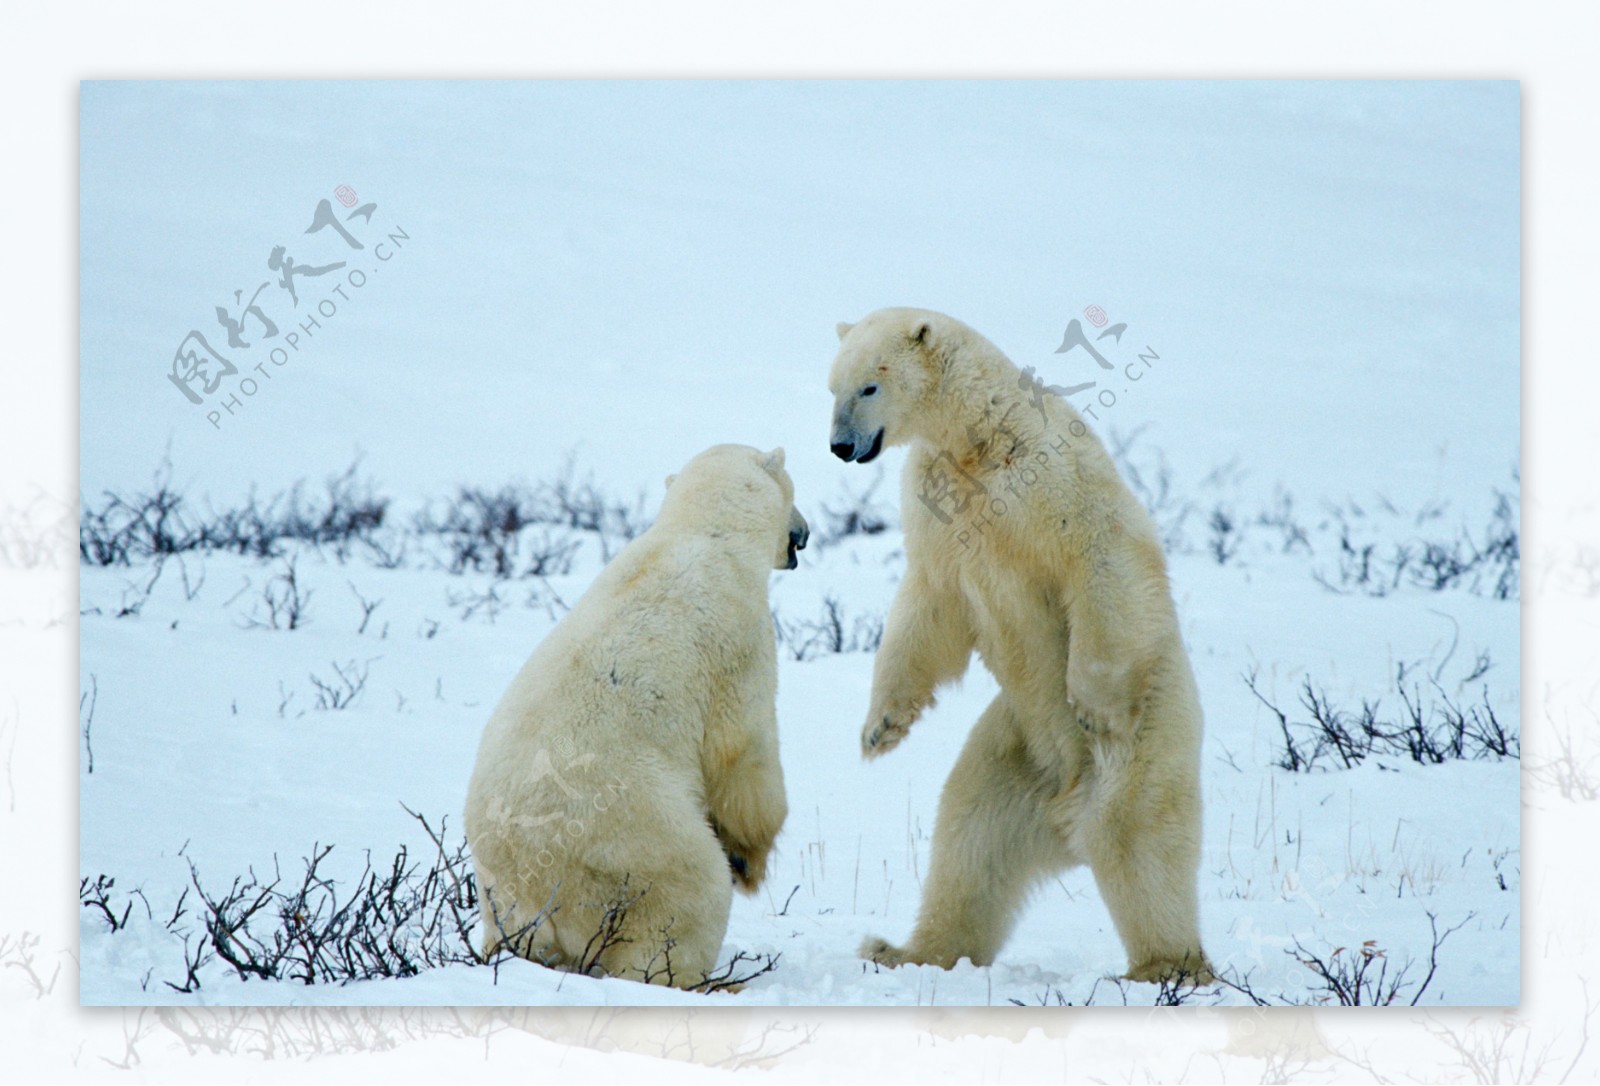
x,y
850,448
798,537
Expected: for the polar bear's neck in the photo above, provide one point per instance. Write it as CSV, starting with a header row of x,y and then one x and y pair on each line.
x,y
989,409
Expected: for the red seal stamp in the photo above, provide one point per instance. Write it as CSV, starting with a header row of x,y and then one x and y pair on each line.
x,y
1096,315
346,195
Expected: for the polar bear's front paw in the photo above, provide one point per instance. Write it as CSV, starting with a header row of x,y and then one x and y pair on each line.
x,y
882,733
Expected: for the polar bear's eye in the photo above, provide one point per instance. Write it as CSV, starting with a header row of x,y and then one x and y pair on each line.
x,y
869,390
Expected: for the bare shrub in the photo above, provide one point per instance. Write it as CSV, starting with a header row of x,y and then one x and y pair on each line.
x,y
1486,563
394,921
138,525
831,632
1362,977
87,701
284,599
1226,536
344,689
481,528
1428,732
96,894
579,504
491,531
854,513
158,521
1149,475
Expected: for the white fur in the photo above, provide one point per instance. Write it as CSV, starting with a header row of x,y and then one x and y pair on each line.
x,y
636,753
1091,752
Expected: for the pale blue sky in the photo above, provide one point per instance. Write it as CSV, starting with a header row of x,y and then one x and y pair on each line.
x,y
1329,271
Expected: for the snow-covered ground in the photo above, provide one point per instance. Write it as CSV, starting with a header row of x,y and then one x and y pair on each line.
x,y
213,745
1328,274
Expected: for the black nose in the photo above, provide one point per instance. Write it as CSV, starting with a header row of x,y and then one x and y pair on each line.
x,y
843,450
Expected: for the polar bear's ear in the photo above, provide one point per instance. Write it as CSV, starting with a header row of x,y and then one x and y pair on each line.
x,y
843,328
920,331
774,461
670,478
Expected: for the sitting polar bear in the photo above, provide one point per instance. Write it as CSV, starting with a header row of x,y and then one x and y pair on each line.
x,y
1023,544
633,763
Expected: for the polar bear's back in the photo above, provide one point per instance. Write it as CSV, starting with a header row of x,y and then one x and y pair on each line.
x,y
631,670
616,697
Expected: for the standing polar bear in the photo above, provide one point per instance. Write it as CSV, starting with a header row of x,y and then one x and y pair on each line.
x,y
633,764
1023,544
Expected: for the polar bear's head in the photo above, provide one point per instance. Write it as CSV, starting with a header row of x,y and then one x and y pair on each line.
x,y
887,370
735,490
